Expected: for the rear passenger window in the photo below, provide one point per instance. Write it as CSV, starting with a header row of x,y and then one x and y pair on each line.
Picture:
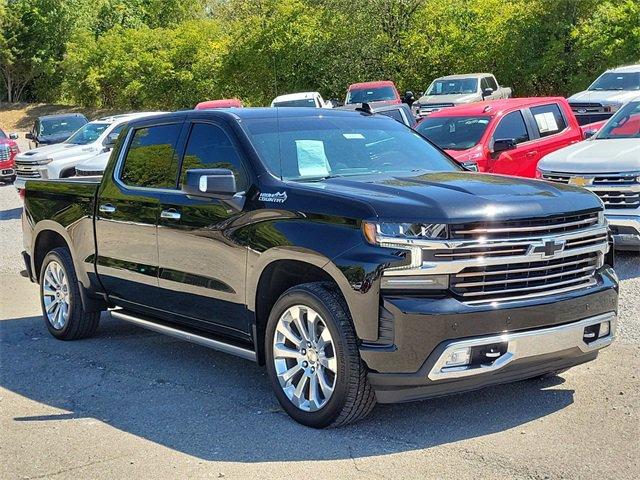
x,y
151,159
393,113
549,119
512,126
210,147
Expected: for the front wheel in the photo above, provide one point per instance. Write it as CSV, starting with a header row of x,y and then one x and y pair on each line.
x,y
62,308
313,360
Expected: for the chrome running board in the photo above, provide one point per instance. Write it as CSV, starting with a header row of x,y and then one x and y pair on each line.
x,y
185,335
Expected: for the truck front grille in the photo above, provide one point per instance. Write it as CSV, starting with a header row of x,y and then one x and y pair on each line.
x,y
433,107
586,107
27,169
4,153
616,190
495,282
532,228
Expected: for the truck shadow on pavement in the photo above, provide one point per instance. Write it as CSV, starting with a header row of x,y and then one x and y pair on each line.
x,y
217,407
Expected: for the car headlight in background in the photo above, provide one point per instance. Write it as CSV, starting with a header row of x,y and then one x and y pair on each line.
x,y
403,236
45,161
612,107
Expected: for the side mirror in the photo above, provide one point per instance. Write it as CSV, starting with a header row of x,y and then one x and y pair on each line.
x,y
29,136
487,92
110,141
503,144
214,182
589,133
13,136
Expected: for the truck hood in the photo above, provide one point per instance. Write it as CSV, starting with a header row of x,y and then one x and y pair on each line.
x,y
604,96
95,164
454,197
595,156
454,98
58,151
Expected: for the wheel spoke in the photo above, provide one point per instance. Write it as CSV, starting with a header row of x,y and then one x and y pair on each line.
x,y
53,303
280,350
325,339
327,389
329,363
285,329
312,323
314,398
47,292
300,324
289,374
48,278
298,394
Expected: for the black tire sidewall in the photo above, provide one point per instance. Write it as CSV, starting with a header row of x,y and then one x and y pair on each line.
x,y
59,256
329,412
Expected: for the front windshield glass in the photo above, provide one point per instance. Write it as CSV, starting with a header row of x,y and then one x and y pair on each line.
x,y
453,87
624,124
617,81
60,126
367,95
454,133
88,134
302,102
308,148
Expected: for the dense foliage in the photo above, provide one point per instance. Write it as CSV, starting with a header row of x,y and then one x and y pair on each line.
x,y
167,54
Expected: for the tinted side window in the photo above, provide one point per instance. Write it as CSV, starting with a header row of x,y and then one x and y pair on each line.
x,y
512,126
549,119
393,113
492,83
483,83
210,147
151,159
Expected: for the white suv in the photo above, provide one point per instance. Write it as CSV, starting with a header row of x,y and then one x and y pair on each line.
x,y
608,164
60,160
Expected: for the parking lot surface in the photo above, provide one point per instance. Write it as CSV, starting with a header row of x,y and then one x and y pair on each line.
x,y
129,403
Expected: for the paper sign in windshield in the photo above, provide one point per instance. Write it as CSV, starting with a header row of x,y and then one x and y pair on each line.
x,y
546,122
312,160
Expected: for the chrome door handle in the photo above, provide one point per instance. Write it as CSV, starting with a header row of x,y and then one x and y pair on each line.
x,y
170,214
107,208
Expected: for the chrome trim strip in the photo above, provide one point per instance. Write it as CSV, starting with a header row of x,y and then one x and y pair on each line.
x,y
525,345
524,279
518,270
524,289
189,337
499,301
528,229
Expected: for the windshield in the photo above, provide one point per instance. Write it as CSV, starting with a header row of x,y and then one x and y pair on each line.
x,y
60,126
617,81
302,102
2,134
454,133
375,94
308,148
624,124
453,87
88,134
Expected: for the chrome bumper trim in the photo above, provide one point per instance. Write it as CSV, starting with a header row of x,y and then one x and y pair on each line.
x,y
525,345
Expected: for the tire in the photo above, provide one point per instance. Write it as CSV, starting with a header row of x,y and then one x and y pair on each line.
x,y
352,397
73,322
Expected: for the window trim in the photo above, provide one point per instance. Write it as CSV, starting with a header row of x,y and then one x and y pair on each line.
x,y
122,155
527,126
188,128
534,124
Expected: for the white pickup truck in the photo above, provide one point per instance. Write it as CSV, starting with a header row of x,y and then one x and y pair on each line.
x,y
454,90
301,99
608,164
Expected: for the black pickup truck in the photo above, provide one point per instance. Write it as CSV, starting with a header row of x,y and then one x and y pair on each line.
x,y
341,249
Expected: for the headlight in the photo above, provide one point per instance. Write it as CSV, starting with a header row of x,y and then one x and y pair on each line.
x,y
45,161
612,107
386,233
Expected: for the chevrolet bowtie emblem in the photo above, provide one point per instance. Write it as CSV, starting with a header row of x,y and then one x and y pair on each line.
x,y
580,181
549,248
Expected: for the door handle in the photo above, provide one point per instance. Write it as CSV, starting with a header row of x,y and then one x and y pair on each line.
x,y
170,214
107,208
532,153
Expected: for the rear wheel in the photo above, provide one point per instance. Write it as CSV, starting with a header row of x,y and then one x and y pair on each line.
x,y
62,309
313,360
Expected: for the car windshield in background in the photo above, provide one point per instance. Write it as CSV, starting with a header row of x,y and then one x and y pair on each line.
x,y
321,147
367,95
454,133
60,126
624,124
617,81
88,134
3,135
453,87
303,102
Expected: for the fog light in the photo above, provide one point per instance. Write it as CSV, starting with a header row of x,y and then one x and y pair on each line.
x,y
605,329
459,357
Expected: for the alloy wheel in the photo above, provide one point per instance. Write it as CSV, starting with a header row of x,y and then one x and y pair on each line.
x,y
305,358
56,296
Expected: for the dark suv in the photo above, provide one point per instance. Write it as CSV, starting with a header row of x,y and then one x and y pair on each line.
x,y
50,129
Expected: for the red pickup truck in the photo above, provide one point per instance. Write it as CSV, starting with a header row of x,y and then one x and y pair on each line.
x,y
383,91
507,136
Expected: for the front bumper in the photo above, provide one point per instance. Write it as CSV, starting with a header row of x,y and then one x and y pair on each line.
x,y
424,328
626,231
